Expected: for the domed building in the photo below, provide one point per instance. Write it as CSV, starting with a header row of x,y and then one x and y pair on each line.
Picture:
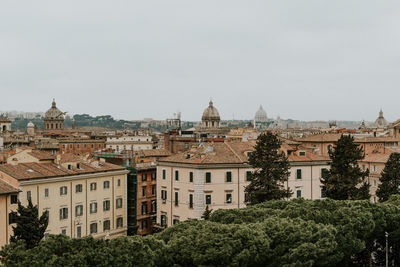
x,y
381,122
261,116
54,118
30,128
210,118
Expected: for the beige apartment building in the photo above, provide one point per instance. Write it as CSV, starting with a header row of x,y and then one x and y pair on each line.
x,y
129,142
216,174
81,198
8,203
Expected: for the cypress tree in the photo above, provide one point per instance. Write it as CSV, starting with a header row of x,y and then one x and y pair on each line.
x,y
345,180
271,171
29,227
390,178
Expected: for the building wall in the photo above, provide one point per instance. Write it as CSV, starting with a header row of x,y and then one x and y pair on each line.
x,y
135,142
5,228
146,178
80,147
5,126
54,202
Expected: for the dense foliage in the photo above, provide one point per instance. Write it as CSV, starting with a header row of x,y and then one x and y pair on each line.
x,y
271,170
390,178
28,226
345,180
275,233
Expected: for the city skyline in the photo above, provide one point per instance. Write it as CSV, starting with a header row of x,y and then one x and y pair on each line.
x,y
306,61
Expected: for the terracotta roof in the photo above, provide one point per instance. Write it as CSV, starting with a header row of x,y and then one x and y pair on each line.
x,y
320,138
309,156
378,157
371,139
208,153
6,188
155,153
31,170
4,120
41,155
69,157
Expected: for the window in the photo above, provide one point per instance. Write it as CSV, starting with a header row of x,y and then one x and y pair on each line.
x,y
374,182
374,199
63,190
228,177
106,225
46,192
164,174
119,182
190,177
374,168
176,199
120,222
175,221
119,203
78,210
153,176
153,190
302,153
143,191
248,176
298,193
298,174
106,184
93,186
78,166
164,196
106,205
79,231
93,207
208,199
144,176
63,213
78,188
144,224
29,195
163,220
144,208
93,228
208,177
228,198
323,193
12,217
14,199
69,167
190,201
324,173
153,206
64,231
176,175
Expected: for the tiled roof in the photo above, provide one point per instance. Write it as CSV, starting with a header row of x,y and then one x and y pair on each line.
x,y
295,157
378,157
371,139
4,120
155,153
208,153
31,170
69,157
6,188
320,138
41,155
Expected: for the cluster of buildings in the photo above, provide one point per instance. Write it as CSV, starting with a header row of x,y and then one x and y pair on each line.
x,y
112,183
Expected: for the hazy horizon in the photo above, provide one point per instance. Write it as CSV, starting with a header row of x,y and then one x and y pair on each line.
x,y
303,60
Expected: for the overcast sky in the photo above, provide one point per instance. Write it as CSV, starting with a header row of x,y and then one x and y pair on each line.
x,y
305,60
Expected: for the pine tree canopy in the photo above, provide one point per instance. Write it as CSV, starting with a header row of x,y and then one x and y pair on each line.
x,y
390,178
345,180
271,171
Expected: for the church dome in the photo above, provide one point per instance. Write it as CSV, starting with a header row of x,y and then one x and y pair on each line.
x,y
261,115
30,124
210,113
54,112
381,122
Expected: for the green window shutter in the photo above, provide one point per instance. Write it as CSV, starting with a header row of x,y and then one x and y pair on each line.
x,y
191,201
164,174
229,177
176,175
208,177
191,177
298,175
298,193
248,176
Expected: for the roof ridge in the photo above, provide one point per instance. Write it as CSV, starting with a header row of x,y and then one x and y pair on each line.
x,y
226,143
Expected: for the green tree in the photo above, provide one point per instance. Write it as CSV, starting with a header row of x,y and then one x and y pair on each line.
x,y
345,180
207,213
271,171
29,227
390,178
